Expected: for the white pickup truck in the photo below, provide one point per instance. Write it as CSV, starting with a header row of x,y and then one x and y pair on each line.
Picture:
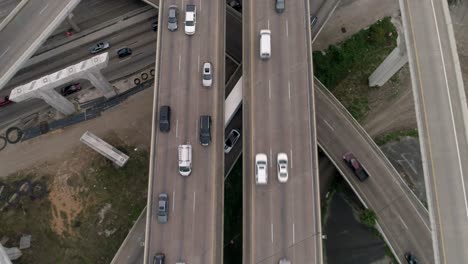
x,y
190,19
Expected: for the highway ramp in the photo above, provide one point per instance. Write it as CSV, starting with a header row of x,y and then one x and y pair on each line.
x,y
25,33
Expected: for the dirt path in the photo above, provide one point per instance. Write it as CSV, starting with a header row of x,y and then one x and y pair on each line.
x,y
130,121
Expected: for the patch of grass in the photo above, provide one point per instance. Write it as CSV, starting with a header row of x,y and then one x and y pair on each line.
x,y
100,183
395,136
345,68
368,218
233,215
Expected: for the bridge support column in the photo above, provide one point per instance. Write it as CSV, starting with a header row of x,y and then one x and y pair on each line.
x,y
394,61
72,22
57,101
99,81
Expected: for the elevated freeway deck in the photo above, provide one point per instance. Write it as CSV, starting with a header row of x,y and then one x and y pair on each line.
x,y
194,229
280,219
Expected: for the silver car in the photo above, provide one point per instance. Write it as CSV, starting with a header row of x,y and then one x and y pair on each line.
x,y
99,47
172,19
162,208
207,74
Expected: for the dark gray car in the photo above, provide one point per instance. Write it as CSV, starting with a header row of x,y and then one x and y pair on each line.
x,y
231,140
280,5
205,130
159,258
172,19
163,208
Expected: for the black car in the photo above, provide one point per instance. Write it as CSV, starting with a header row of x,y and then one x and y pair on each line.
x,y
124,52
154,25
70,89
411,258
165,118
205,130
279,6
354,164
159,258
231,140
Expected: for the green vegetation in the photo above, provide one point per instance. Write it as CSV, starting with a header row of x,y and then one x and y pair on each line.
x,y
368,218
90,235
233,215
344,68
395,136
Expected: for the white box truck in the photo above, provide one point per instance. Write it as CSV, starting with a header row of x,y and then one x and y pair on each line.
x,y
185,160
265,44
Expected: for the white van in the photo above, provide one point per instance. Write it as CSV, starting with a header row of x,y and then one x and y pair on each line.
x,y
185,160
261,169
265,44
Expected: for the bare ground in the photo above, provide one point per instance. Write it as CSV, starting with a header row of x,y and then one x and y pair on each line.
x,y
130,121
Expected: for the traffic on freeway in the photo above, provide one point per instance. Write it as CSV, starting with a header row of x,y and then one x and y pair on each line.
x,y
185,196
281,197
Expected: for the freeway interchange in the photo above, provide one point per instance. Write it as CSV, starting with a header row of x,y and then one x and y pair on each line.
x,y
279,112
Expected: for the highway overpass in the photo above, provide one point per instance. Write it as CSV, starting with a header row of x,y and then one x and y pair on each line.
x,y
29,28
442,116
280,219
194,230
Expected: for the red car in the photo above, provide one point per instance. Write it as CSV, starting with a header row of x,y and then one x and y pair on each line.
x,y
356,166
5,101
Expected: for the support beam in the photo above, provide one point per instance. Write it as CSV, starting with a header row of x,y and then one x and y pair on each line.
x,y
72,22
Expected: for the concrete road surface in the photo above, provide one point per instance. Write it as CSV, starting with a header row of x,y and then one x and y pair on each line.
x,y
402,218
194,230
280,219
442,116
27,31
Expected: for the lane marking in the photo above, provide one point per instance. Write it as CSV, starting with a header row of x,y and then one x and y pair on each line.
x,y
268,24
328,124
294,237
271,159
5,51
287,31
198,65
180,60
272,233
269,88
126,59
289,90
194,202
196,127
43,9
291,158
176,128
401,219
173,201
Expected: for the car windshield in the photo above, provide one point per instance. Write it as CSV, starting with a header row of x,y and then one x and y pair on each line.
x,y
261,163
189,23
206,77
184,169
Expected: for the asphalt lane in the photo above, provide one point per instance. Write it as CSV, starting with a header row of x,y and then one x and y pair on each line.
x,y
442,119
194,230
24,34
280,220
138,37
402,218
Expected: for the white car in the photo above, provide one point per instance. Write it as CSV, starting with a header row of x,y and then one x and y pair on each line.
x,y
190,19
207,76
261,169
282,161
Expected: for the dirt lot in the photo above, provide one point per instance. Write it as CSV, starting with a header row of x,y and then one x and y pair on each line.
x,y
87,210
